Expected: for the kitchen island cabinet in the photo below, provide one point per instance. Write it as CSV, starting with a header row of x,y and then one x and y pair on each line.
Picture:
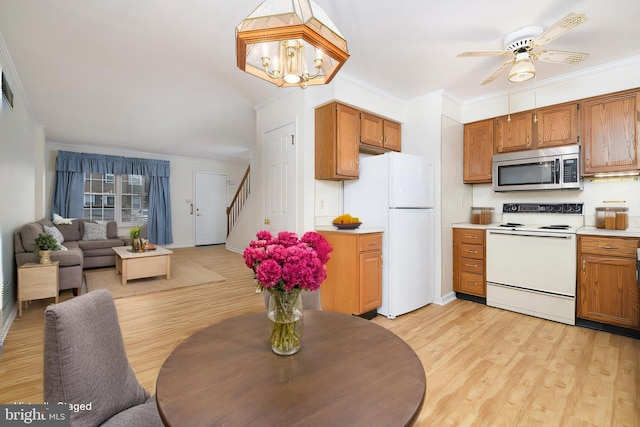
x,y
469,261
354,272
607,286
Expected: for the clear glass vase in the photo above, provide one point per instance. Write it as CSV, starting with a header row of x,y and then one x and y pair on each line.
x,y
285,321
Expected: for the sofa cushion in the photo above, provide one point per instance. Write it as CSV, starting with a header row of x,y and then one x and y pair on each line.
x,y
90,245
55,233
112,230
71,232
28,233
94,231
72,256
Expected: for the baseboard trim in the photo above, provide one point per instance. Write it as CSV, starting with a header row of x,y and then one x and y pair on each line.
x,y
445,299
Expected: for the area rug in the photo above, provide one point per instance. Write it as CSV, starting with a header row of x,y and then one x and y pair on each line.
x,y
183,274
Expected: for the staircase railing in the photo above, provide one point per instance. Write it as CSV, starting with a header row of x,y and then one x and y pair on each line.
x,y
234,209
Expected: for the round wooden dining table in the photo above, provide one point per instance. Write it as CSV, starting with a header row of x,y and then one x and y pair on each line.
x,y
349,372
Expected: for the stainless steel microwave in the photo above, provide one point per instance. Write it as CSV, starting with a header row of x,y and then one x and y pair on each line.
x,y
556,168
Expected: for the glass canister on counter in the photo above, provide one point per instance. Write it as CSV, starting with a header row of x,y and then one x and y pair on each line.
x,y
480,215
614,217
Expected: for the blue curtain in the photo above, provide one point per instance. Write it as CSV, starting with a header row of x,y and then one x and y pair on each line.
x,y
68,189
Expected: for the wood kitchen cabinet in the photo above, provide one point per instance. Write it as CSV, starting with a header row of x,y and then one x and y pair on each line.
x,y
478,151
514,135
378,132
337,141
392,135
354,272
607,286
469,261
557,125
611,133
342,131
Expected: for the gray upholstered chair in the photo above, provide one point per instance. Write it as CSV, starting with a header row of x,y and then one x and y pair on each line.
x,y
85,363
310,300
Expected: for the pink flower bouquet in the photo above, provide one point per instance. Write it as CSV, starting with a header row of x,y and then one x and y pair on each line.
x,y
285,262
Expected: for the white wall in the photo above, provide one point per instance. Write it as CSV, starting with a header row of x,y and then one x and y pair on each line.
x,y
457,200
285,109
181,182
21,151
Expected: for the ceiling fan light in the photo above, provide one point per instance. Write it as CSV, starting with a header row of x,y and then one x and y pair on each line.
x,y
521,71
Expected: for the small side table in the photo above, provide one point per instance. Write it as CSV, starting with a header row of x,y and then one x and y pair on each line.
x,y
37,281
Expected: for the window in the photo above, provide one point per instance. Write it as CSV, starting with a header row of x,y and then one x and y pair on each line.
x,y
120,198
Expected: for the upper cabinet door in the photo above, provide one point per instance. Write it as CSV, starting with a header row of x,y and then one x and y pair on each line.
x,y
611,133
513,133
558,125
392,135
478,150
337,134
371,129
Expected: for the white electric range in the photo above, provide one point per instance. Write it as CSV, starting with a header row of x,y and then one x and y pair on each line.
x,y
531,259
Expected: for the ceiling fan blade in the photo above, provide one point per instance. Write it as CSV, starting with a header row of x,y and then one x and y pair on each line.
x,y
485,53
559,56
567,23
497,72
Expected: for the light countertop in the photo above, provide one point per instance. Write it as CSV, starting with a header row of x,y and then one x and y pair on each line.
x,y
593,231
469,225
586,230
360,230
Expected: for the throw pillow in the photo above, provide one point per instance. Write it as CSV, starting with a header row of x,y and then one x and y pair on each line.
x,y
57,219
55,233
94,231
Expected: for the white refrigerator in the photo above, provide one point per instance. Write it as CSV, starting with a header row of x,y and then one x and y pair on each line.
x,y
395,192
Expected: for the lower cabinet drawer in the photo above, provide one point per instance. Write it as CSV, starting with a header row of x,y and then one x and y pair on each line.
x,y
470,265
471,251
472,284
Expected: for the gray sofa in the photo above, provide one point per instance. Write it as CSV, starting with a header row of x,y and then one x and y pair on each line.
x,y
80,254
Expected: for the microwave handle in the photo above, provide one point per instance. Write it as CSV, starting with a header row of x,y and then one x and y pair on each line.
x,y
557,171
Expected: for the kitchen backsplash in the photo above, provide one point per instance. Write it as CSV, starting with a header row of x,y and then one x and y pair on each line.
x,y
593,195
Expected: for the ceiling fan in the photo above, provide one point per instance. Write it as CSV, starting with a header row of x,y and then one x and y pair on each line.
x,y
522,44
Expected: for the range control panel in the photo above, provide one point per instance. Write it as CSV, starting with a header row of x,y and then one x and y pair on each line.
x,y
558,208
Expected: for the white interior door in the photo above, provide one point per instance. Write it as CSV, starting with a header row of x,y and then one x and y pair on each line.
x,y
210,208
280,179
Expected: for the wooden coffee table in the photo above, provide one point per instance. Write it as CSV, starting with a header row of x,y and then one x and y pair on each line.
x,y
349,372
137,265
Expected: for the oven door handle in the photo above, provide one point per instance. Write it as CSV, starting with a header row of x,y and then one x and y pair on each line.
x,y
561,236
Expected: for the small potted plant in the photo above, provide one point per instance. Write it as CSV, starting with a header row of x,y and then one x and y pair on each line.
x,y
45,244
136,241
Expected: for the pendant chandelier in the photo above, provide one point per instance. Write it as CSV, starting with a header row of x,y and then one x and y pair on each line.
x,y
290,43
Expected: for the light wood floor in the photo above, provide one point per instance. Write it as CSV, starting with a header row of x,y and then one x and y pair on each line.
x,y
484,366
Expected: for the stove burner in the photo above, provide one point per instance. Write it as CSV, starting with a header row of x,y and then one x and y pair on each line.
x,y
555,227
511,224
